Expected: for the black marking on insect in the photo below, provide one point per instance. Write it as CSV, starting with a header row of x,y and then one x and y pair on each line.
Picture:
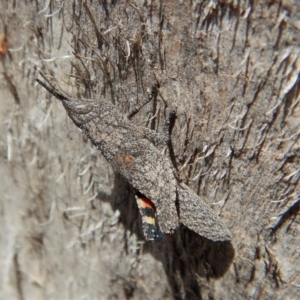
x,y
131,150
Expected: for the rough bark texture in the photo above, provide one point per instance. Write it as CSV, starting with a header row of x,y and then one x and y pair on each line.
x,y
70,224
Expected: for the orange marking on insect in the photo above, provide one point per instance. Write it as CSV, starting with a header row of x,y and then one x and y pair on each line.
x,y
146,203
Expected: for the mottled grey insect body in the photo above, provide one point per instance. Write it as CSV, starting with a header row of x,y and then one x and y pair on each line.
x,y
199,217
132,152
129,149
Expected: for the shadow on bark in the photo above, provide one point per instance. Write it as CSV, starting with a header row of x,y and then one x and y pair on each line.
x,y
186,256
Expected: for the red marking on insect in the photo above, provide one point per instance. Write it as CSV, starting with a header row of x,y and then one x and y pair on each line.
x,y
146,203
3,45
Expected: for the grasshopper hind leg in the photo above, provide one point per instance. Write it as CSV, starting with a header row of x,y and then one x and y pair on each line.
x,y
147,210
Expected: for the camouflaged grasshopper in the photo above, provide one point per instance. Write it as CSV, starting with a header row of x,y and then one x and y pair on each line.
x,y
163,202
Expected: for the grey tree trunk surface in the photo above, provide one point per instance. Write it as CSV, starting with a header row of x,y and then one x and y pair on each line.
x,y
70,224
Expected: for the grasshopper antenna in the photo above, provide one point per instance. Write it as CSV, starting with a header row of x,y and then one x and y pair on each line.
x,y
51,88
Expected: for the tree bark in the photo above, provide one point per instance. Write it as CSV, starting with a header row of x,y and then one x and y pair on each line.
x,y
70,225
